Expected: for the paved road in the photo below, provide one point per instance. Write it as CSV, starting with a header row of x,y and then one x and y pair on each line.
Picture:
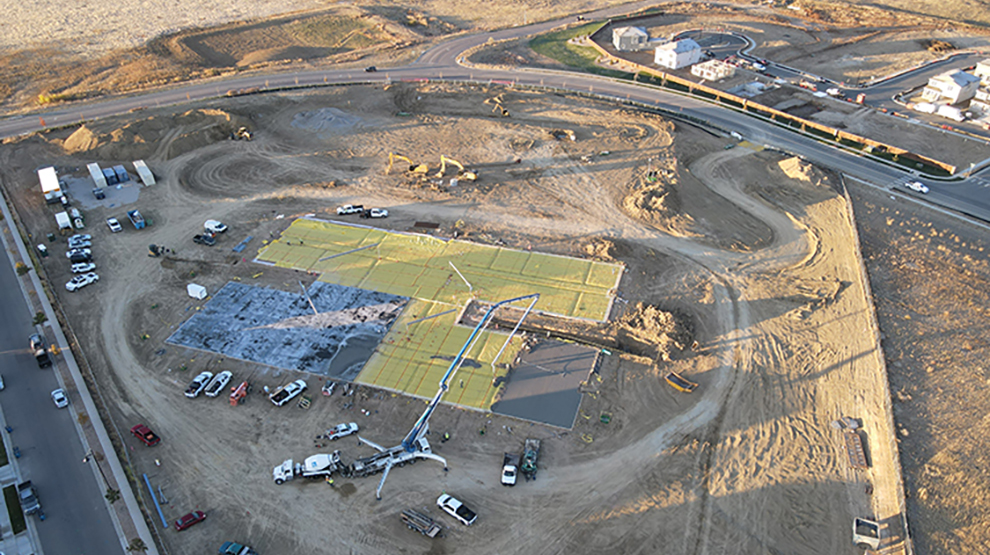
x,y
970,197
77,521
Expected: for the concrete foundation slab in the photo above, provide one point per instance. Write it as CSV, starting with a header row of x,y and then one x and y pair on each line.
x,y
543,387
281,329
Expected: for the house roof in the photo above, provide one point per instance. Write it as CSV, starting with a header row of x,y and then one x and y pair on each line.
x,y
630,32
683,45
960,78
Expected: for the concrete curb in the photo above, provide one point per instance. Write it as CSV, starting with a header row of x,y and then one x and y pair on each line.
x,y
127,495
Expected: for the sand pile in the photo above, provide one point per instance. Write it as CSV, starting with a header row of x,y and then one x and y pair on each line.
x,y
796,168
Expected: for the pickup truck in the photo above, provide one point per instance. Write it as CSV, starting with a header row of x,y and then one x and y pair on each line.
x,y
510,469
285,393
145,434
341,430
349,209
29,498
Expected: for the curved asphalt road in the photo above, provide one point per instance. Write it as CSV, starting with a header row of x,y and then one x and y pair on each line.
x,y
970,197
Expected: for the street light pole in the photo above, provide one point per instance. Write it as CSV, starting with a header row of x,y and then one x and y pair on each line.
x,y
92,456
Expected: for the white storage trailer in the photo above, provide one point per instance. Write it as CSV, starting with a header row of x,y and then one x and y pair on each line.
x,y
63,220
97,174
144,173
49,180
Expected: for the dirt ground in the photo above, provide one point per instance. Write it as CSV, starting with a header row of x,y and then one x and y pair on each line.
x,y
763,268
930,281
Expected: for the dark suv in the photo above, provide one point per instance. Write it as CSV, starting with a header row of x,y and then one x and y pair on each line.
x,y
204,239
40,351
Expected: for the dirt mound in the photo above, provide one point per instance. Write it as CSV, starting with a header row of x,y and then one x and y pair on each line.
x,y
796,168
658,204
667,332
183,133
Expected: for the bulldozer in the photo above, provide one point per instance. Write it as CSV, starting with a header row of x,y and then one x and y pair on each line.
x,y
413,167
461,174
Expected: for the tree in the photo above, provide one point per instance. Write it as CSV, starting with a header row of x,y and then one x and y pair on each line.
x,y
137,545
112,495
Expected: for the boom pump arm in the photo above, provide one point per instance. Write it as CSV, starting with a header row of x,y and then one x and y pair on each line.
x,y
422,425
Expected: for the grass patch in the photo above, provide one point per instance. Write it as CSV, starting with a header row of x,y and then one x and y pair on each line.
x,y
554,45
17,523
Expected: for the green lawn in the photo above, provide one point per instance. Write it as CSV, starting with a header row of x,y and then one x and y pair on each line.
x,y
554,45
14,509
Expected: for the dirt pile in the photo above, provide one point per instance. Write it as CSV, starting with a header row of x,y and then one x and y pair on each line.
x,y
668,333
658,204
796,168
189,131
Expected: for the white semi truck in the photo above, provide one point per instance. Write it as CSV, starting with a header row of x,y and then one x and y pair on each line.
x,y
317,466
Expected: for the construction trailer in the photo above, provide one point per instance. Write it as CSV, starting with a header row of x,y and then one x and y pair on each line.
x,y
96,173
144,173
49,180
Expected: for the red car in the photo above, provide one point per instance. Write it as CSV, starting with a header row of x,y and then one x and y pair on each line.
x,y
146,435
189,520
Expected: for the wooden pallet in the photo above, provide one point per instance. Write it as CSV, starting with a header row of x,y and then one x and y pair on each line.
x,y
854,448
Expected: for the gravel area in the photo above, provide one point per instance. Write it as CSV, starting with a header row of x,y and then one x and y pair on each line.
x,y
93,28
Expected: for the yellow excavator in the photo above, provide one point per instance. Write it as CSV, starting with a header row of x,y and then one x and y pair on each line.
x,y
497,102
461,174
413,167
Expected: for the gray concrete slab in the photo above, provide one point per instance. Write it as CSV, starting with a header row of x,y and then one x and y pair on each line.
x,y
80,192
280,328
543,387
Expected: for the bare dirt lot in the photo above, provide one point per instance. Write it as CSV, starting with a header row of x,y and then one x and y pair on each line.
x,y
930,279
760,263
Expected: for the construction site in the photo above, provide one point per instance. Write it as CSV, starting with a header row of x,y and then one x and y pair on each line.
x,y
695,335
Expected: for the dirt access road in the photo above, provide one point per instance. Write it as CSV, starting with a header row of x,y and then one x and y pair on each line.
x,y
762,267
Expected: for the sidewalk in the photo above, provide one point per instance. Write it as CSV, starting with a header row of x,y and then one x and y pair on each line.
x,y
126,513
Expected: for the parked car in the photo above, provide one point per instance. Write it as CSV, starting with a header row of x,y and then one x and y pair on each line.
x,y
917,186
81,237
189,519
79,282
40,350
198,384
2,385
114,225
214,226
145,434
73,252
341,430
59,398
287,392
218,383
204,239
375,213
232,548
456,509
80,244
83,267
349,209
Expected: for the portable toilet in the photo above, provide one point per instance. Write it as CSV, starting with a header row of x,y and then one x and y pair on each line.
x,y
122,176
196,291
110,176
